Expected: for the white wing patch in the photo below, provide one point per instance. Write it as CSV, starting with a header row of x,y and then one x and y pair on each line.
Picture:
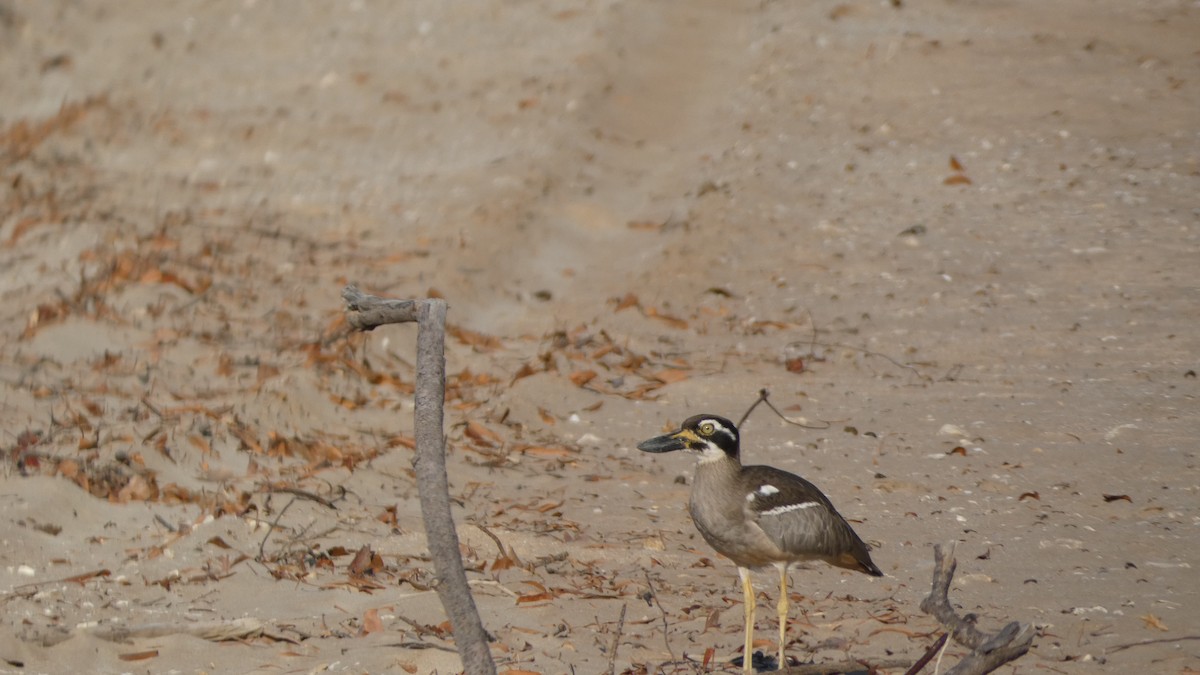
x,y
765,490
780,510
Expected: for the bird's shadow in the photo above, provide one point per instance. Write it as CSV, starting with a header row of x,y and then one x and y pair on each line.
x,y
763,663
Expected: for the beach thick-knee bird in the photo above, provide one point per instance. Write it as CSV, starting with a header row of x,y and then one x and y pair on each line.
x,y
759,515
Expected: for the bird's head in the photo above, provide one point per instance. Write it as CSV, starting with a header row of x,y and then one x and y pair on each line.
x,y
711,436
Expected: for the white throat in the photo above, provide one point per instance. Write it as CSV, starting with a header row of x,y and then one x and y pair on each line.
x,y
711,453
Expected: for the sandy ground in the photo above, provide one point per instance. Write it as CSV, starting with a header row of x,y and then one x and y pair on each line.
x,y
971,229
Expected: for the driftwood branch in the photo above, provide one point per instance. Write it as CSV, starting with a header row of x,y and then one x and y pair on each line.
x,y
366,312
988,651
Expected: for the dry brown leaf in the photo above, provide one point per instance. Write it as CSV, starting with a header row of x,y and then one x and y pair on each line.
x,y
482,435
603,351
840,11
266,372
955,165
138,656
86,576
68,468
582,377
671,375
536,597
957,179
21,137
89,443
503,562
672,321
247,437
546,451
371,622
480,341
642,392
389,517
713,620
402,441
761,326
138,489
1154,622
344,402
629,300
525,371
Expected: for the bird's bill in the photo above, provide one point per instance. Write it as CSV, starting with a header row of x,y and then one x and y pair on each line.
x,y
668,442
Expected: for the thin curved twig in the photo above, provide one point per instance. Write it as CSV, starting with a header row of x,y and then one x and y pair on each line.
x,y
763,395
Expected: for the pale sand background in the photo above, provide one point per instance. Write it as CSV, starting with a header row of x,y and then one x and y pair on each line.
x,y
187,186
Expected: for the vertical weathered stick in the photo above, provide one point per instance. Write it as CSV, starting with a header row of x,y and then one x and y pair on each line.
x,y
434,488
366,312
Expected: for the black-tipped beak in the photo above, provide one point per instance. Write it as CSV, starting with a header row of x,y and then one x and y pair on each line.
x,y
668,443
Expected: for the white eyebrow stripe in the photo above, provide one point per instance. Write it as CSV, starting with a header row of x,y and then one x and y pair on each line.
x,y
780,510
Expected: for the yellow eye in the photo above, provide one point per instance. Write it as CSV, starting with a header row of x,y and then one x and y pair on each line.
x,y
708,428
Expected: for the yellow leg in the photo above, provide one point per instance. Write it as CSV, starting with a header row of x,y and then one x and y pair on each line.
x,y
748,600
783,613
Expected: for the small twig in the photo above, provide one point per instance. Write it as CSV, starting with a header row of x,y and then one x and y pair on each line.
x,y
928,655
74,578
666,627
303,535
547,559
271,528
421,628
305,494
937,668
151,408
499,544
1143,643
763,395
616,642
423,645
868,352
497,584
